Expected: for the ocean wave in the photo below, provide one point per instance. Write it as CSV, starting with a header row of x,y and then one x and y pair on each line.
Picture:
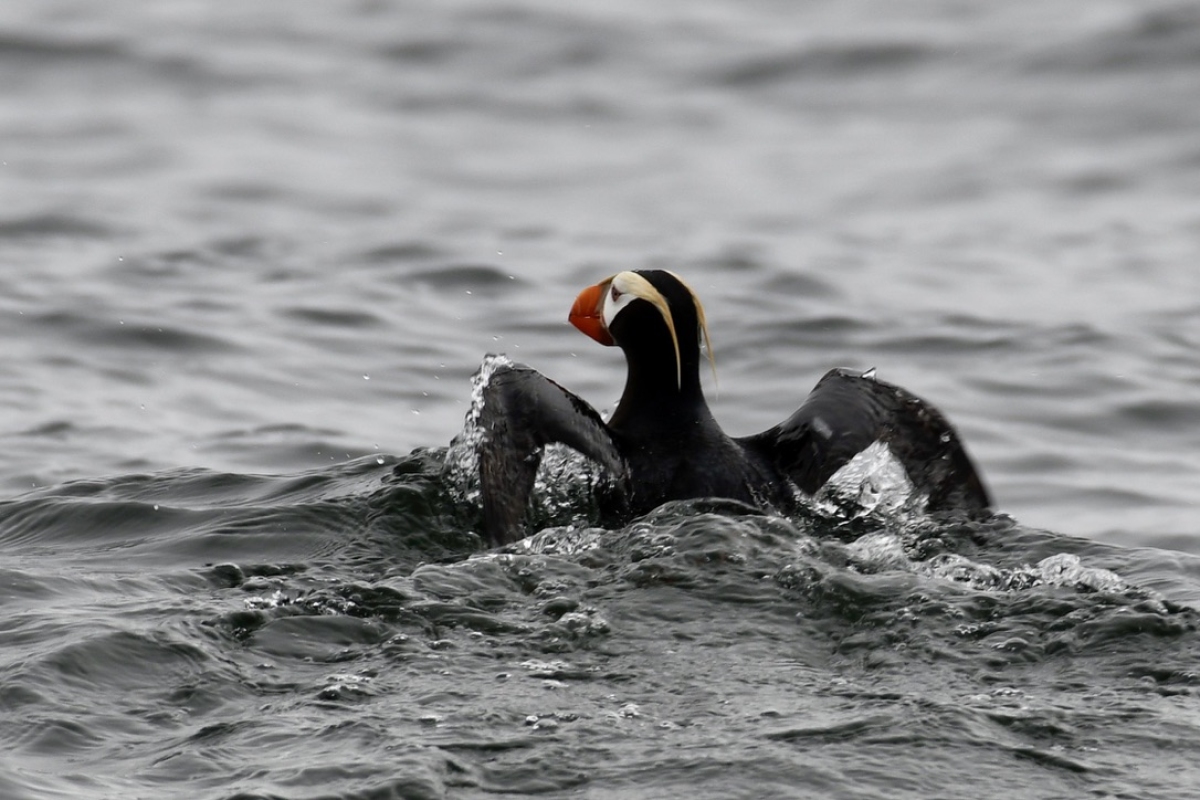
x,y
254,604
825,61
1167,37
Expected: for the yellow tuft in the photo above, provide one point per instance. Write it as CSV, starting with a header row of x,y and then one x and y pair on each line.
x,y
712,359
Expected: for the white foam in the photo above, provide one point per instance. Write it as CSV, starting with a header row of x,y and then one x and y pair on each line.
x,y
874,482
461,469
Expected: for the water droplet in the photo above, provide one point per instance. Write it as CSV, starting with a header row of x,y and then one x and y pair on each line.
x,y
416,413
366,377
379,459
468,291
156,506
869,374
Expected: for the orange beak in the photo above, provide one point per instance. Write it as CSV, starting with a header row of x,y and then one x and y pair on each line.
x,y
588,313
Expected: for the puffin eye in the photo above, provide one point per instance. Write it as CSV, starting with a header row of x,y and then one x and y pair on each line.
x,y
616,293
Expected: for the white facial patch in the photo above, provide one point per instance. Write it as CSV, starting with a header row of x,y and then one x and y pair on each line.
x,y
620,294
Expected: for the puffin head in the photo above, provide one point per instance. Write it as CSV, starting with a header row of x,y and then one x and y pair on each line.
x,y
630,306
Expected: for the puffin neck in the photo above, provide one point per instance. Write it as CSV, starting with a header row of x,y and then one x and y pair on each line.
x,y
656,394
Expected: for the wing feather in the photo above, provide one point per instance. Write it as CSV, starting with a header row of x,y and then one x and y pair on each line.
x,y
522,411
846,413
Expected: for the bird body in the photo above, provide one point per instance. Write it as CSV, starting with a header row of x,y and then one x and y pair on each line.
x,y
663,443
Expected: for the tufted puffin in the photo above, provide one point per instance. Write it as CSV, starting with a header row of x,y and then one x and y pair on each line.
x,y
662,442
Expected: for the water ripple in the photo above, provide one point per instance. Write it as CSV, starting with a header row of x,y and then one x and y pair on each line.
x,y
825,61
52,226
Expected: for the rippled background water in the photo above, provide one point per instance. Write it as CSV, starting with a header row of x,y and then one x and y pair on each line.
x,y
252,254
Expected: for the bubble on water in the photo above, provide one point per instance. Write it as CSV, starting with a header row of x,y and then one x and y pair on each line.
x,y
347,678
341,686
1061,569
539,668
584,623
274,600
878,551
565,540
1066,569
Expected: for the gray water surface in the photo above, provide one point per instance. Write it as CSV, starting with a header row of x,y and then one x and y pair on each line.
x,y
252,256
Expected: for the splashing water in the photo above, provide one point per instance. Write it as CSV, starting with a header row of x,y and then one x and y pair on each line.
x,y
872,484
461,470
563,490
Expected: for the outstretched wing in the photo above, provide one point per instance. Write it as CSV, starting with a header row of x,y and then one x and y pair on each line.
x,y
846,413
522,411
